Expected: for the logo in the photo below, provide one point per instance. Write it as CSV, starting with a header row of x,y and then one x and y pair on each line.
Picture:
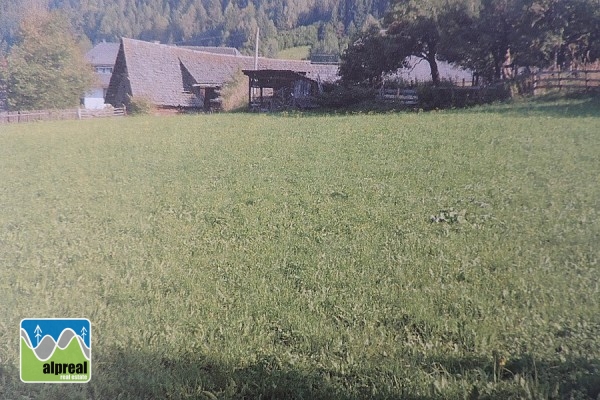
x,y
56,350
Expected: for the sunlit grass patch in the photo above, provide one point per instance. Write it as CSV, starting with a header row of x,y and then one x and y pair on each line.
x,y
296,256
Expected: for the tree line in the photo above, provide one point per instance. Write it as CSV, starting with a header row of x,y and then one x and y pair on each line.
x,y
42,41
326,24
493,38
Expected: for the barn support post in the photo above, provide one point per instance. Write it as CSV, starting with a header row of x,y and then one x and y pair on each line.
x,y
249,92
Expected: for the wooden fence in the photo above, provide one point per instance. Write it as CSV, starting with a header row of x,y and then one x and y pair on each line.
x,y
55,115
457,82
583,80
407,97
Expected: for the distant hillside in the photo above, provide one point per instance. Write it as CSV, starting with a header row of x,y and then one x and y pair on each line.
x,y
295,53
322,24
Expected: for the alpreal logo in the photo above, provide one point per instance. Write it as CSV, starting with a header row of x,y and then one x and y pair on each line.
x,y
56,350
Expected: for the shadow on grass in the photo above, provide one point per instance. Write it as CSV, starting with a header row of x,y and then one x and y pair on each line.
x,y
563,106
566,378
149,375
575,105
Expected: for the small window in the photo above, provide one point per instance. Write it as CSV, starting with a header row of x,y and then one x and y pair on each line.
x,y
104,70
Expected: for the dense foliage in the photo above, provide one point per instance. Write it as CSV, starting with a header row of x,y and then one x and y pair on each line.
x,y
491,37
45,68
369,56
209,22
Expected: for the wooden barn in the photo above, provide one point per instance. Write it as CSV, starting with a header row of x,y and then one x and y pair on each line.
x,y
274,89
178,79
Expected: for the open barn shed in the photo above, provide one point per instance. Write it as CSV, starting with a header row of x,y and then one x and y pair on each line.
x,y
271,89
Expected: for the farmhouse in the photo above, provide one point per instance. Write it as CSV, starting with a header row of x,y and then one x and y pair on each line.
x,y
102,58
177,78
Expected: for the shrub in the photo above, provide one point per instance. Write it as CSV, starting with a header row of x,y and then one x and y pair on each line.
x,y
344,96
235,93
446,95
139,106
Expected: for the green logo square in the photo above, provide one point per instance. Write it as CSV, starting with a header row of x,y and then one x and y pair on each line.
x,y
56,350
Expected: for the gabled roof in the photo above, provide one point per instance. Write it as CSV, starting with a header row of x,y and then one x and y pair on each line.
x,y
155,72
220,68
103,54
162,73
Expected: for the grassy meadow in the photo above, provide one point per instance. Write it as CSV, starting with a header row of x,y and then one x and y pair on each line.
x,y
295,53
442,255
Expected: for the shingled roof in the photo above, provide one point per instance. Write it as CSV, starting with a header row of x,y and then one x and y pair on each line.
x,y
163,73
103,54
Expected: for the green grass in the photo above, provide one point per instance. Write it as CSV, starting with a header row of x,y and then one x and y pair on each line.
x,y
295,53
294,256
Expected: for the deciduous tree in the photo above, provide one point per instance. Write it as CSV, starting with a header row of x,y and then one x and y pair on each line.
x,y
426,29
537,33
369,56
46,68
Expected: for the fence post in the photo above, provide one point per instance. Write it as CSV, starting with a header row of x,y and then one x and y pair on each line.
x,y
586,80
78,113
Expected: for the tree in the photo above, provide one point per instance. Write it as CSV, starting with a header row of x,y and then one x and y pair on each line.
x,y
503,34
11,12
497,38
426,29
328,40
369,56
421,37
46,68
563,31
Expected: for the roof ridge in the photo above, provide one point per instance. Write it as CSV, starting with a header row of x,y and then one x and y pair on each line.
x,y
181,48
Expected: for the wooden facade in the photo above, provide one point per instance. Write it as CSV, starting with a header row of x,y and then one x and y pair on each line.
x,y
271,90
177,78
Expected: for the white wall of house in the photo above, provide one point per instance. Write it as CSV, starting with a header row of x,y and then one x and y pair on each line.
x,y
94,99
